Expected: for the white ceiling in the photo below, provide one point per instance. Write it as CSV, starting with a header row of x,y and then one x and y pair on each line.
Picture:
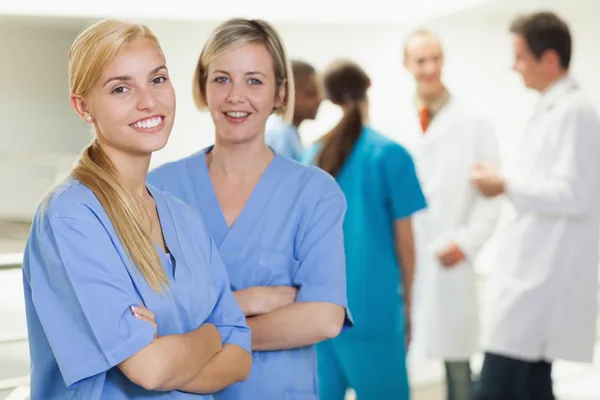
x,y
304,11
75,14
511,8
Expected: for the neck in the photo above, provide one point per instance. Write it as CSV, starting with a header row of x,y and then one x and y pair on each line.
x,y
132,169
431,97
239,160
364,111
551,81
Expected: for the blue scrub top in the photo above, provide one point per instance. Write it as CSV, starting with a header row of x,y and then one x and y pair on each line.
x,y
79,285
283,138
289,233
381,186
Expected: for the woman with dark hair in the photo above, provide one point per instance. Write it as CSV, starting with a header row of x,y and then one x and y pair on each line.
x,y
379,180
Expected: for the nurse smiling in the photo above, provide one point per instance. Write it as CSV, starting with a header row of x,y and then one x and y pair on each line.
x,y
104,246
277,224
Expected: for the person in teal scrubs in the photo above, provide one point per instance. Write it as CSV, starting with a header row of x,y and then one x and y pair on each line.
x,y
382,191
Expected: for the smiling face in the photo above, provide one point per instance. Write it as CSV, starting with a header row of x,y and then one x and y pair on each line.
x,y
425,60
532,70
132,103
241,93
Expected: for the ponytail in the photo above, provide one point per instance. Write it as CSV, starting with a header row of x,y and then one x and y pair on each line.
x,y
96,171
339,142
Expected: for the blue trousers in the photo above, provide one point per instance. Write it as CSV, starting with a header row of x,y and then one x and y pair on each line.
x,y
375,369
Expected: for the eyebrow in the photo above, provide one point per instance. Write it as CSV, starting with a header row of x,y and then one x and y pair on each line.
x,y
128,78
220,71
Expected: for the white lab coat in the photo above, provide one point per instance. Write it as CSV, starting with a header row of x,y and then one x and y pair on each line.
x,y
445,311
544,278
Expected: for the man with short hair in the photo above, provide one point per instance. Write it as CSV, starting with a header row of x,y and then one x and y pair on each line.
x,y
283,137
544,278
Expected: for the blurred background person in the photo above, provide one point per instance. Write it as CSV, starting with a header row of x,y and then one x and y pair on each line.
x,y
544,282
283,136
382,191
446,137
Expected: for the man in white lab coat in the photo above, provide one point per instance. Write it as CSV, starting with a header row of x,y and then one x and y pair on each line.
x,y
544,278
447,138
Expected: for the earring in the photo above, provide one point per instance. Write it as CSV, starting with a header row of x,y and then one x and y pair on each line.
x,y
88,118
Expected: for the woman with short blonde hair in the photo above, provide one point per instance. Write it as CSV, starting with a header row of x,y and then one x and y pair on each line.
x,y
276,223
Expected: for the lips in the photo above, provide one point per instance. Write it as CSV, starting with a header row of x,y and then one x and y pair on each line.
x,y
237,114
236,117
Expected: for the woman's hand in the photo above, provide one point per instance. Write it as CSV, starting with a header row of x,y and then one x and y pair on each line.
x,y
144,314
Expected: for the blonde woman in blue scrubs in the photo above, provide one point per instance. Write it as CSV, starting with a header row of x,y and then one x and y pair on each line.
x,y
277,223
381,187
105,248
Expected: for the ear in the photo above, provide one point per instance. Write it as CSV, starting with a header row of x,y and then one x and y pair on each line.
x,y
550,57
81,108
280,95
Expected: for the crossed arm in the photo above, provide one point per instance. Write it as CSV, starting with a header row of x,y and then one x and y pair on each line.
x,y
279,323
194,362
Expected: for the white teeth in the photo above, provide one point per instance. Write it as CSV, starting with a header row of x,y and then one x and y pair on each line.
x,y
237,114
148,123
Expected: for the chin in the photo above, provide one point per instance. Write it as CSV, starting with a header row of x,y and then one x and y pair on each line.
x,y
152,145
237,136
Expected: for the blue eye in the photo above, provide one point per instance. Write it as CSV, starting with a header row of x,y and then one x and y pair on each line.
x,y
221,79
254,81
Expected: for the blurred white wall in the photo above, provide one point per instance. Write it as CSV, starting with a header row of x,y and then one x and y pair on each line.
x,y
38,127
38,119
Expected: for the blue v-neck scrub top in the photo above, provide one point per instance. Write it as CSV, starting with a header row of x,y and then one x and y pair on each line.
x,y
79,284
288,233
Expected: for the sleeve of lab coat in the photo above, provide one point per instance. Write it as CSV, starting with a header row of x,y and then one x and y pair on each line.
x,y
483,216
570,189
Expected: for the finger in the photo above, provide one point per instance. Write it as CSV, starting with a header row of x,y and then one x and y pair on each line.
x,y
147,313
141,310
146,319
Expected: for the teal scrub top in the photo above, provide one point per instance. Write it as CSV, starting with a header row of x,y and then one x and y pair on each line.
x,y
380,184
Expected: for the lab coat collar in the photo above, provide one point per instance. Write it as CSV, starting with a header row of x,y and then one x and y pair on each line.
x,y
555,92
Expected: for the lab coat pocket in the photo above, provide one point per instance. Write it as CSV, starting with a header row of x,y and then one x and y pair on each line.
x,y
276,268
295,395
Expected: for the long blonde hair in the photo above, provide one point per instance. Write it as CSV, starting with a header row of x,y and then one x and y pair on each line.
x,y
237,32
92,50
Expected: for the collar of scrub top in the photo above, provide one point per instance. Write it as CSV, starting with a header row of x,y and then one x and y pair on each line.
x,y
555,92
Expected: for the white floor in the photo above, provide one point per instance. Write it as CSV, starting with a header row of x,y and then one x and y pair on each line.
x,y
572,381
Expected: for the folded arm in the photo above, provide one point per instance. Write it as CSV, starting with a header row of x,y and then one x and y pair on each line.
x,y
233,363
320,308
172,361
296,325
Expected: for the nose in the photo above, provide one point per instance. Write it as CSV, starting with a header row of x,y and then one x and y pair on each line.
x,y
430,67
145,99
236,93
